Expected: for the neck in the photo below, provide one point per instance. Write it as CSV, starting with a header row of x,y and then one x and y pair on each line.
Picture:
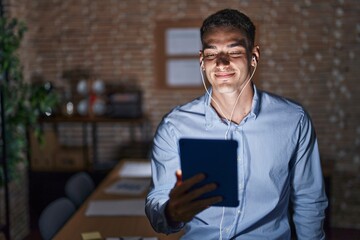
x,y
232,106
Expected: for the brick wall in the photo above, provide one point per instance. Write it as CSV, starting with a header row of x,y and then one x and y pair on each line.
x,y
310,53
19,206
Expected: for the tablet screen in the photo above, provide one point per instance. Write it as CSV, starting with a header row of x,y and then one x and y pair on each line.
x,y
217,159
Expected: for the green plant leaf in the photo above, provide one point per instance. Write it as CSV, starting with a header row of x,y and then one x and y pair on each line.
x,y
23,102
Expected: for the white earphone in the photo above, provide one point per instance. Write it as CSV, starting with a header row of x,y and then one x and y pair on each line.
x,y
202,65
254,59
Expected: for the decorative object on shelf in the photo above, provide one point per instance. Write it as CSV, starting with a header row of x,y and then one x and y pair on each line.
x,y
82,87
93,101
73,90
83,107
90,96
99,107
67,107
126,103
98,87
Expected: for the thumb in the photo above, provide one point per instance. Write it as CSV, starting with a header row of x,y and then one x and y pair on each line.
x,y
178,174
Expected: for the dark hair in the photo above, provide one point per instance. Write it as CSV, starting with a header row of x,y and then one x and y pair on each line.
x,y
230,18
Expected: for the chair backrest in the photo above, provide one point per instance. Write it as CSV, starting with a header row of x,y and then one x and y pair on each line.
x,y
54,216
79,187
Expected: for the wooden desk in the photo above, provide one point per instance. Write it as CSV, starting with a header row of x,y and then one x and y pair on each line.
x,y
111,226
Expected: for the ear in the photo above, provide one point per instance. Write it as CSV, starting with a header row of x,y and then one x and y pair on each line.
x,y
201,59
255,56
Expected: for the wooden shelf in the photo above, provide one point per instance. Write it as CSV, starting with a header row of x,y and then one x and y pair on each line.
x,y
90,161
91,119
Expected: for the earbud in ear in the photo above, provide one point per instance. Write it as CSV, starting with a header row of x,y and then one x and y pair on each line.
x,y
254,60
202,65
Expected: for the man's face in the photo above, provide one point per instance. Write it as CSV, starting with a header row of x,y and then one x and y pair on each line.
x,y
225,59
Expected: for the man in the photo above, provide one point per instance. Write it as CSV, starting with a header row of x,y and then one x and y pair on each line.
x,y
278,158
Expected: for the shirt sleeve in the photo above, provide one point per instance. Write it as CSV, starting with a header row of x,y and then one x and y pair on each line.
x,y
308,196
164,163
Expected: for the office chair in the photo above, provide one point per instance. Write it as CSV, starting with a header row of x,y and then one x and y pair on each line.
x,y
79,187
54,216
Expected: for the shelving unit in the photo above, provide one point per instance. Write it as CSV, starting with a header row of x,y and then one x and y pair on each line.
x,y
90,161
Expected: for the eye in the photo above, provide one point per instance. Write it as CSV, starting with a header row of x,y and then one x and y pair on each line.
x,y
236,54
210,56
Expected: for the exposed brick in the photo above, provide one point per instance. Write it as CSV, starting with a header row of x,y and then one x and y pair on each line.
x,y
310,53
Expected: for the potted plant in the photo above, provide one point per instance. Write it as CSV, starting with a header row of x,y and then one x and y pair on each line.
x,y
23,102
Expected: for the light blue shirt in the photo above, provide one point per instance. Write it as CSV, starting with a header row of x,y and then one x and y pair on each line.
x,y
278,163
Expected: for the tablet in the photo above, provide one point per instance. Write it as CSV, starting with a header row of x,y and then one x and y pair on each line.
x,y
217,159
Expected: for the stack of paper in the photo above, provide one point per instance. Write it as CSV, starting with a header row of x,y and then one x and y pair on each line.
x,y
129,186
129,207
136,169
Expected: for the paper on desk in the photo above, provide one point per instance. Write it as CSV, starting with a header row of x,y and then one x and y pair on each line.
x,y
129,207
132,238
128,186
135,169
91,236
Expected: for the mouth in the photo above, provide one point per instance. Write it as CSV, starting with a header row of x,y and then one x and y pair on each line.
x,y
224,75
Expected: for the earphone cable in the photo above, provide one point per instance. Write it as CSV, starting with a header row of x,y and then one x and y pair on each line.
x,y
237,99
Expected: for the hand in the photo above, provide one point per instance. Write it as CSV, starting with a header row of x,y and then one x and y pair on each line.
x,y
182,205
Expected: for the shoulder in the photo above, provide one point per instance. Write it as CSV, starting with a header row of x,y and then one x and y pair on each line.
x,y
182,118
273,101
189,109
281,106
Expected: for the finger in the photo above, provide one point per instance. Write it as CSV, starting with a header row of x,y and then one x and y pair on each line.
x,y
199,205
197,192
177,202
187,212
186,185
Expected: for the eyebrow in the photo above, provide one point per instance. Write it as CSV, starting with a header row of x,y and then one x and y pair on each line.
x,y
236,43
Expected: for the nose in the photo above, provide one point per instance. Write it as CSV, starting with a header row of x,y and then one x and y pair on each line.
x,y
222,59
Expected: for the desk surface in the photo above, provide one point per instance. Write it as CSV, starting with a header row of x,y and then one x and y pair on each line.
x,y
109,226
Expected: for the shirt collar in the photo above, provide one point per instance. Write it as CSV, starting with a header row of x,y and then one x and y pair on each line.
x,y
255,108
211,116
